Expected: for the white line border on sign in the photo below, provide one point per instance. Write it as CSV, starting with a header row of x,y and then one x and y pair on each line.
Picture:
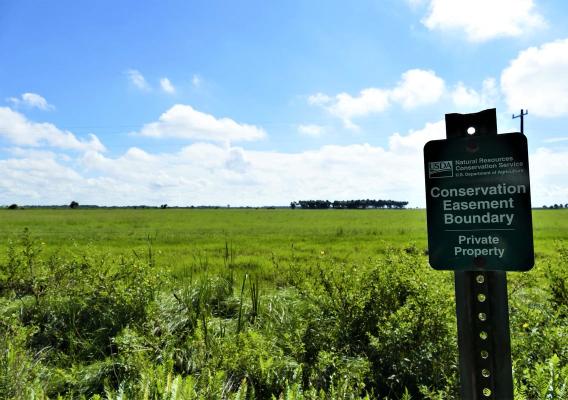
x,y
477,230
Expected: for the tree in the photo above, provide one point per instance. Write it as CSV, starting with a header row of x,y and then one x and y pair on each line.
x,y
74,205
13,207
349,204
293,205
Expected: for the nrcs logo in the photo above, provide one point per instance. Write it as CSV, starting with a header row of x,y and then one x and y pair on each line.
x,y
441,169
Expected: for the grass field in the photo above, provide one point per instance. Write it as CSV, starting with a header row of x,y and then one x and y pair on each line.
x,y
181,236
252,303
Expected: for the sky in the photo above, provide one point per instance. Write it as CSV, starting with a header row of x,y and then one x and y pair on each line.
x,y
255,103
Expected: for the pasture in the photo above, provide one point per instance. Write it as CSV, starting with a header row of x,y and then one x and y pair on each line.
x,y
254,303
182,237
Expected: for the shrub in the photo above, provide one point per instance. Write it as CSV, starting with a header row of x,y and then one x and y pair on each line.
x,y
20,373
390,315
72,310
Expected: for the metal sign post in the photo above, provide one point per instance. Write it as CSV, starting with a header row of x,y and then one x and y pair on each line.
x,y
480,225
483,335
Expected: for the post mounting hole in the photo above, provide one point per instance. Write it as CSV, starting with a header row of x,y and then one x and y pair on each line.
x,y
471,130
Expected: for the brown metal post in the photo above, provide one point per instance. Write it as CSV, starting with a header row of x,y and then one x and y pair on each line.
x,y
482,305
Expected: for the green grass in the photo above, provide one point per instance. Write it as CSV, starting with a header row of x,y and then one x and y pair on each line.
x,y
197,238
194,237
251,303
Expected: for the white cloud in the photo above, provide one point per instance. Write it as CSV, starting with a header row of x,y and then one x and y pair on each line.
x,y
184,122
311,130
206,173
31,100
415,3
319,99
237,160
196,81
212,174
537,79
167,86
137,79
369,101
33,179
482,20
15,128
549,176
556,140
470,100
416,88
415,140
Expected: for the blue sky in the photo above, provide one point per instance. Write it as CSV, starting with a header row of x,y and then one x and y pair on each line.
x,y
258,103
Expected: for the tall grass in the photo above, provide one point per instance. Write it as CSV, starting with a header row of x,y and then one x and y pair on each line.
x,y
302,320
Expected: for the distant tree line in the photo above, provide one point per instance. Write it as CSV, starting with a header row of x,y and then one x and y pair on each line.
x,y
556,206
347,204
75,205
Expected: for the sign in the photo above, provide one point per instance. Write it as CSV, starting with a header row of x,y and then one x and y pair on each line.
x,y
478,203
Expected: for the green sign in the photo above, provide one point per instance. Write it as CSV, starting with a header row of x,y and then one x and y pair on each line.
x,y
478,203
